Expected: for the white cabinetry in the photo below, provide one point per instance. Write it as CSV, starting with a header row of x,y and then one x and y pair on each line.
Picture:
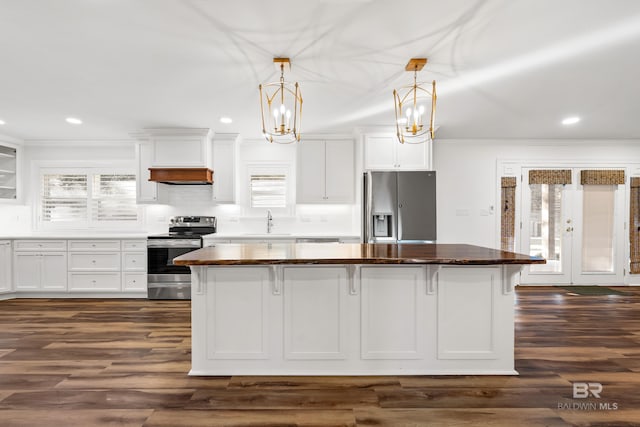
x,y
384,152
148,191
180,147
107,265
40,265
80,265
94,265
391,299
325,171
224,160
134,265
6,283
9,172
353,319
468,318
237,326
315,313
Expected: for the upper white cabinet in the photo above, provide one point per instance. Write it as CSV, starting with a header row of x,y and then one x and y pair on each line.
x,y
383,151
325,171
147,191
180,147
224,170
9,171
168,148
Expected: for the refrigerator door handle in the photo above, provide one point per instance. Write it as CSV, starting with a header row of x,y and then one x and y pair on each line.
x,y
368,234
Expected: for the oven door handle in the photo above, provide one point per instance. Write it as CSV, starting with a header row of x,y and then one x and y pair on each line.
x,y
167,284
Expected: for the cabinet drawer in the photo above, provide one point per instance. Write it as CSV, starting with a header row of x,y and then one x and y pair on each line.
x,y
134,261
94,245
134,245
94,281
94,261
40,245
134,282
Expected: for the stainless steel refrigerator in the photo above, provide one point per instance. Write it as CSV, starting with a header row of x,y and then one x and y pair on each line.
x,y
399,207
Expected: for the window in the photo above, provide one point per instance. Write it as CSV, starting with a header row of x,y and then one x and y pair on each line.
x,y
87,198
268,191
269,186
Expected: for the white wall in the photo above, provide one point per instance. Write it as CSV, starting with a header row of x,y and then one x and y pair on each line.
x,y
468,180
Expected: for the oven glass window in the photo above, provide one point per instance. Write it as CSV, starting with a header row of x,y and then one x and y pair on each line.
x,y
160,260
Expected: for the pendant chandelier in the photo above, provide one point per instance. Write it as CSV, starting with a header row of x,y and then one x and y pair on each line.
x,y
281,108
414,105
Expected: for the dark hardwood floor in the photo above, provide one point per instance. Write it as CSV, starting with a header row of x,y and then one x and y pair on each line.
x,y
125,363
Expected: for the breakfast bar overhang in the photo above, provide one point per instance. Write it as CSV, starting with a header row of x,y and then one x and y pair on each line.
x,y
353,309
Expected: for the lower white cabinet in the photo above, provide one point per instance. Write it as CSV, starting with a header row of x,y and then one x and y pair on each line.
x,y
6,283
237,327
392,316
315,313
88,261
134,282
79,265
40,271
94,281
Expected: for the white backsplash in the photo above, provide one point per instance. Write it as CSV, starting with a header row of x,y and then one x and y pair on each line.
x,y
306,219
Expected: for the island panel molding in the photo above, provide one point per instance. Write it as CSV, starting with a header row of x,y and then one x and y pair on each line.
x,y
430,313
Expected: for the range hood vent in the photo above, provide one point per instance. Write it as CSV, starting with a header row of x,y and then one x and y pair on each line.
x,y
182,176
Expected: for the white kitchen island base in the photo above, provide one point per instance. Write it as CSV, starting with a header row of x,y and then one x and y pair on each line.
x,y
352,319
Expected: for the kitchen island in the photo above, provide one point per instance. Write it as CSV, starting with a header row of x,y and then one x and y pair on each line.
x,y
352,309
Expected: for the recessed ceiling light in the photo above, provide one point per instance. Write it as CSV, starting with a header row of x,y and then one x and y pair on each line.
x,y
74,121
226,120
2,122
571,120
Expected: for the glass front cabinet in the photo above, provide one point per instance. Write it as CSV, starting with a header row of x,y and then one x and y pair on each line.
x,y
8,172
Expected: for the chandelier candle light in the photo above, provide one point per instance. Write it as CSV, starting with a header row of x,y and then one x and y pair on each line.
x,y
281,108
411,104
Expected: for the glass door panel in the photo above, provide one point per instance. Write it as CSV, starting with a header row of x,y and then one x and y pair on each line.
x,y
545,226
597,228
545,212
600,238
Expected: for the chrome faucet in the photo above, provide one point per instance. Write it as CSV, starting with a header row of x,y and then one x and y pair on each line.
x,y
269,221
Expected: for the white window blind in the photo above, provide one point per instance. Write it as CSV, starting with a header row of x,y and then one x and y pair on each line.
x,y
87,198
268,191
114,198
64,197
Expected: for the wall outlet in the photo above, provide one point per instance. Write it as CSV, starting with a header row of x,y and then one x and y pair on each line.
x,y
305,219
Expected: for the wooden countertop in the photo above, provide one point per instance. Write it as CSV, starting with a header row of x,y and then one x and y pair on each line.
x,y
350,253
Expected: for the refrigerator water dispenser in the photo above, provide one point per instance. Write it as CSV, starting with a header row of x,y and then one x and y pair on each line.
x,y
382,225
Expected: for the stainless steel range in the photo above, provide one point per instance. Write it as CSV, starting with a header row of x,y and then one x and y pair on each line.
x,y
166,280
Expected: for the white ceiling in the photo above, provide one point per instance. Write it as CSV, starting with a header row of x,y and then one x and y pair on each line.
x,y
504,68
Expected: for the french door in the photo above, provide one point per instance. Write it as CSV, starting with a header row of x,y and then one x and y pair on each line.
x,y
578,228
